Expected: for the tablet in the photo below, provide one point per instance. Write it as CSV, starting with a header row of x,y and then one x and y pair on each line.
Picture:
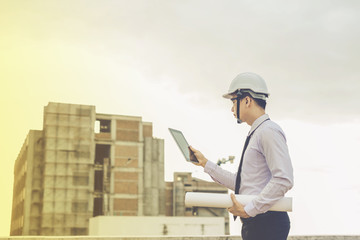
x,y
183,145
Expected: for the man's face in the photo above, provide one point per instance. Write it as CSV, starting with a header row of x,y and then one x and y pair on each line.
x,y
242,106
233,108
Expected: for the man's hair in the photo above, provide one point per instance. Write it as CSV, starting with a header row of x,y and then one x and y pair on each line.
x,y
260,102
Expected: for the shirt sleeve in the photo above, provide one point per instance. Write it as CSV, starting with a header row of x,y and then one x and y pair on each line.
x,y
273,145
220,175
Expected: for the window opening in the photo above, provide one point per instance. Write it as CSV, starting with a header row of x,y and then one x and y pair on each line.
x,y
102,126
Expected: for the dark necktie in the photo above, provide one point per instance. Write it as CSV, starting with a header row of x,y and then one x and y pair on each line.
x,y
238,175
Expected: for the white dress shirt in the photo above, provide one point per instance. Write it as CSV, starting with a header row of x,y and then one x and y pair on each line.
x,y
267,170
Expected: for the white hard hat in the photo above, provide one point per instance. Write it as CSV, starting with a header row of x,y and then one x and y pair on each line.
x,y
248,82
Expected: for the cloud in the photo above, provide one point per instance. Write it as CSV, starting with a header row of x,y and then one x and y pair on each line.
x,y
306,51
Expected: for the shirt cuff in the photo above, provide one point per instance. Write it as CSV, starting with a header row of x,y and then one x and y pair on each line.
x,y
209,167
251,210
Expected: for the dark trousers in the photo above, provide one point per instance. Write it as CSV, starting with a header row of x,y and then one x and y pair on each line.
x,y
266,226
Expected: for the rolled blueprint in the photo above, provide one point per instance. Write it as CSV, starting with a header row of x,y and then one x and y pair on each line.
x,y
219,200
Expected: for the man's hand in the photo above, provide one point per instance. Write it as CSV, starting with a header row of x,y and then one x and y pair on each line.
x,y
237,209
200,157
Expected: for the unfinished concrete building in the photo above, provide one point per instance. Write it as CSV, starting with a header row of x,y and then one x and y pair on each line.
x,y
83,164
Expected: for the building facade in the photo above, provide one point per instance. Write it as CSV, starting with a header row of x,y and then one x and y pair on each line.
x,y
85,164
183,183
27,185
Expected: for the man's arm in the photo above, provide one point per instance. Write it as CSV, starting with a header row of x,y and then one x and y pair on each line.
x,y
218,174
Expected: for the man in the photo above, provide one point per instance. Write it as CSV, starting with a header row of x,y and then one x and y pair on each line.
x,y
265,168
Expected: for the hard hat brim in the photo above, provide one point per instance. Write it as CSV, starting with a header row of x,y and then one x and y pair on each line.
x,y
262,96
227,95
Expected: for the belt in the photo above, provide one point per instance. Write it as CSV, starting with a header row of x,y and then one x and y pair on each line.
x,y
261,215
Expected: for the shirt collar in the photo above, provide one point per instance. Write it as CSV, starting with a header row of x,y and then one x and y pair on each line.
x,y
257,122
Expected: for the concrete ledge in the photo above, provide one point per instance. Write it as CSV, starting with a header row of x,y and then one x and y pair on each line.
x,y
330,237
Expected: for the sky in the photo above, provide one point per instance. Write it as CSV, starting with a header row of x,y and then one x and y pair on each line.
x,y
170,61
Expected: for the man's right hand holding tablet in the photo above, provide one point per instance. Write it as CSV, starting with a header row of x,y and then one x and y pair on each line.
x,y
201,160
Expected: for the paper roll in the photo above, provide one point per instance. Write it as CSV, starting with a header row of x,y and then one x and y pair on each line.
x,y
218,200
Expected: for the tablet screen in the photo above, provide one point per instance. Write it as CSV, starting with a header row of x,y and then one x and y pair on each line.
x,y
181,142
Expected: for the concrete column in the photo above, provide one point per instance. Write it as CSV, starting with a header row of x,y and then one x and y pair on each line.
x,y
179,196
28,182
140,168
154,179
112,162
147,176
161,178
